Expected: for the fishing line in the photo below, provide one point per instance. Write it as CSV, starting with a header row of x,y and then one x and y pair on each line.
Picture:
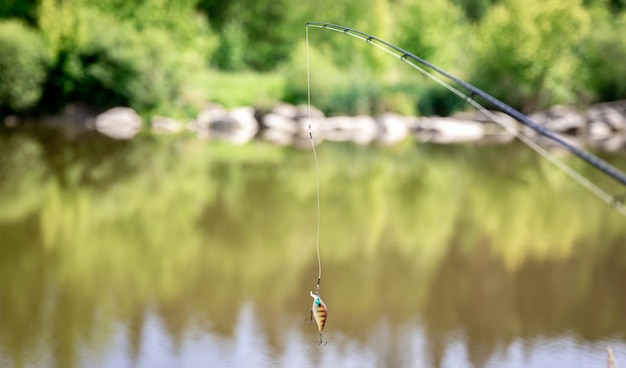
x,y
415,61
317,175
319,311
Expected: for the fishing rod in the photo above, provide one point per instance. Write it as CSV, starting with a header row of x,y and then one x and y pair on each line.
x,y
419,63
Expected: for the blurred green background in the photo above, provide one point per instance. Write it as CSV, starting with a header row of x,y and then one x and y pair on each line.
x,y
171,57
490,243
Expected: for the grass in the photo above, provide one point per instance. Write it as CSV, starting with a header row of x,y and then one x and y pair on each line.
x,y
246,88
230,89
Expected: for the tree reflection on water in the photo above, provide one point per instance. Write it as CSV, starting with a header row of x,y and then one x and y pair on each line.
x,y
209,249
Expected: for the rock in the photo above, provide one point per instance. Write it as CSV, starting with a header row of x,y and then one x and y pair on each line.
x,y
561,119
613,114
366,130
551,145
447,130
165,125
337,128
74,120
614,143
302,111
208,116
285,110
244,123
238,125
392,128
10,121
497,125
358,129
302,138
598,130
282,123
119,123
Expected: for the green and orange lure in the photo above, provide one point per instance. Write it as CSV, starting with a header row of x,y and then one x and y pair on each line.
x,y
319,313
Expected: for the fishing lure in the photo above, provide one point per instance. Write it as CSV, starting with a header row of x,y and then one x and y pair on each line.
x,y
319,312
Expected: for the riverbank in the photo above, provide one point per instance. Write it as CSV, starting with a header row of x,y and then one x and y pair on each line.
x,y
601,127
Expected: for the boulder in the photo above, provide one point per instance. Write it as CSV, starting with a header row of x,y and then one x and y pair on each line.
x,y
612,114
497,125
550,145
302,138
209,115
366,130
282,123
358,129
289,124
11,121
392,128
119,123
598,130
75,120
238,125
244,125
561,119
447,130
285,110
165,125
612,144
302,111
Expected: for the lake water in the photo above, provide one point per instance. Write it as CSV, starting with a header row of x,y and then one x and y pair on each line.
x,y
182,253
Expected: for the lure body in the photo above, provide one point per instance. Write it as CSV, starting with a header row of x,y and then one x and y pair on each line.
x,y
319,312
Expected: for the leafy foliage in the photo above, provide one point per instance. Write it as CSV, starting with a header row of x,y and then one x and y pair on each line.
x,y
474,9
246,36
602,49
156,54
105,61
526,51
231,52
25,9
24,59
420,26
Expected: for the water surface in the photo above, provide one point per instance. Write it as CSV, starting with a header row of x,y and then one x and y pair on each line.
x,y
180,253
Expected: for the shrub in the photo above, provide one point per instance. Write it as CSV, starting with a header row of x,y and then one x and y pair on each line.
x,y
526,51
231,52
105,61
24,62
432,30
24,9
603,51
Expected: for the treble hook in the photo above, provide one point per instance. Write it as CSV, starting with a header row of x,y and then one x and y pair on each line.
x,y
322,342
310,320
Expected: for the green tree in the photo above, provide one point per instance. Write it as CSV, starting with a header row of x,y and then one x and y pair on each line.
x,y
474,9
24,62
526,51
602,50
110,52
231,51
431,30
611,5
269,31
23,9
437,32
216,10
